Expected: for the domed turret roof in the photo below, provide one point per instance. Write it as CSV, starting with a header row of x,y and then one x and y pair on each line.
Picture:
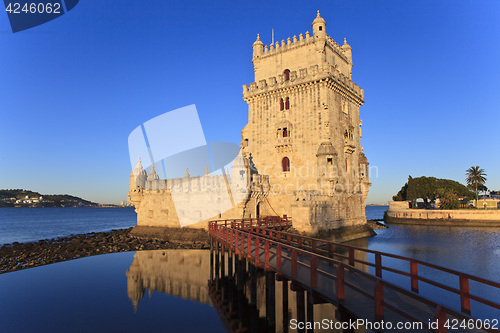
x,y
326,148
362,158
318,19
346,46
152,174
258,41
139,171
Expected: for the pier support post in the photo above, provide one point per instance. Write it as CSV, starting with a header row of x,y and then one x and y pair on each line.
x,y
301,314
284,288
223,262
241,276
270,299
211,259
253,285
230,263
341,314
217,265
310,310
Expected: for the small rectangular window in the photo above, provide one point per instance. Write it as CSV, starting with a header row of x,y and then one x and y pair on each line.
x,y
329,161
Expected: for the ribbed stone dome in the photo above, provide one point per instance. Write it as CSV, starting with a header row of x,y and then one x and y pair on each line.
x,y
363,159
258,41
139,171
326,148
346,46
152,174
318,19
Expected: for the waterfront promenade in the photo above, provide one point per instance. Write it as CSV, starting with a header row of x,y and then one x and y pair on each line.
x,y
455,217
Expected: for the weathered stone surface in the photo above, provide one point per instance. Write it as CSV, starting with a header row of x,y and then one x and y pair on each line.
x,y
301,146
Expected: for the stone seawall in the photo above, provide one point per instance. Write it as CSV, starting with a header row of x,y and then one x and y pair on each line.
x,y
459,217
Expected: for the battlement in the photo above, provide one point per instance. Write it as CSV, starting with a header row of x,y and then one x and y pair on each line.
x,y
205,184
294,42
304,75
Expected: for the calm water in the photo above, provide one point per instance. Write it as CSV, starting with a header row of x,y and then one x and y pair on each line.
x,y
106,293
375,212
154,291
32,224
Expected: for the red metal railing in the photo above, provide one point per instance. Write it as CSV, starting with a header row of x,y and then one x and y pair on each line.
x,y
327,248
246,236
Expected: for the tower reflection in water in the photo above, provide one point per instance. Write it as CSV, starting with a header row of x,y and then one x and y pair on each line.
x,y
247,298
181,273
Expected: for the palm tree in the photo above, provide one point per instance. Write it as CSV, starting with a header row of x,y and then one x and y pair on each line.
x,y
476,177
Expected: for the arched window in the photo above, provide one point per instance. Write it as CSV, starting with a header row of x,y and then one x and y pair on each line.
x,y
285,132
285,164
287,74
282,104
287,104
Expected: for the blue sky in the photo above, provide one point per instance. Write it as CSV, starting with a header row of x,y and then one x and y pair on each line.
x,y
73,89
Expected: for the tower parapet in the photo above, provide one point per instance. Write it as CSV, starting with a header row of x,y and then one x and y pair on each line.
x,y
319,27
193,200
305,76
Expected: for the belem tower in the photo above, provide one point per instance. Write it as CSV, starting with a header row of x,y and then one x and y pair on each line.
x,y
300,153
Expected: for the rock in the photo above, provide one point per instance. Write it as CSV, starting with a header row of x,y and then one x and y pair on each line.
x,y
17,255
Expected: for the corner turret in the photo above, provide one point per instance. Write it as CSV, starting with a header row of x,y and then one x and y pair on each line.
x,y
319,27
258,48
138,176
347,50
152,174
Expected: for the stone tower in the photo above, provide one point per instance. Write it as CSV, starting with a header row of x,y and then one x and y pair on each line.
x,y
304,130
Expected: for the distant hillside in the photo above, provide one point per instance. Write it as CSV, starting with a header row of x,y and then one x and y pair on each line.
x,y
27,198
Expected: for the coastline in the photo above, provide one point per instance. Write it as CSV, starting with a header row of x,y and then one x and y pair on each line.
x,y
456,218
17,256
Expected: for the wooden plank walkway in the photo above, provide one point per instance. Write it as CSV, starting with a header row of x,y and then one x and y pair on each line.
x,y
360,287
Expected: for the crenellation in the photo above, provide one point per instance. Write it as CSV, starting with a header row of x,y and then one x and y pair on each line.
x,y
281,78
277,47
314,70
307,77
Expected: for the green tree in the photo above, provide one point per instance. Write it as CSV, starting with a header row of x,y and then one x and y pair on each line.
x,y
426,188
448,198
476,177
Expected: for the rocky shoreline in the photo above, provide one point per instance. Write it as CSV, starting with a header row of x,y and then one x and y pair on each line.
x,y
375,224
17,256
